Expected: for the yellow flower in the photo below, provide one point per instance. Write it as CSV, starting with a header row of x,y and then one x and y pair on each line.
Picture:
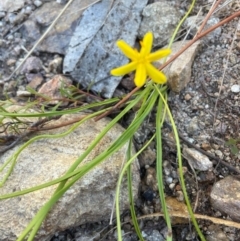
x,y
141,61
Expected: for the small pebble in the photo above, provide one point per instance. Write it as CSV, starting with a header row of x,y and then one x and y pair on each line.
x,y
10,37
235,88
61,1
219,154
206,146
11,17
28,10
169,180
187,97
180,196
17,50
2,15
11,62
37,3
23,93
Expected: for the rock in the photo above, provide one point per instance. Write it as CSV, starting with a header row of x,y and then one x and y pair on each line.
x,y
193,127
194,22
89,200
55,66
152,235
206,146
235,88
216,234
35,80
58,38
11,62
219,154
150,179
30,30
92,51
2,15
17,18
225,197
23,93
220,127
196,159
147,157
52,89
31,65
207,176
161,19
179,71
37,3
187,97
11,6
179,196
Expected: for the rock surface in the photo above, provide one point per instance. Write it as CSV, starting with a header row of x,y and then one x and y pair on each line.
x,y
196,159
31,65
225,196
58,38
89,200
53,89
11,6
161,19
216,234
194,22
92,51
179,71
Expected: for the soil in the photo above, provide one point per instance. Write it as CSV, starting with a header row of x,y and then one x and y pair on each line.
x,y
207,114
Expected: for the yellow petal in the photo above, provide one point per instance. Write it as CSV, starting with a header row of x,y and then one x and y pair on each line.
x,y
158,54
127,50
146,44
125,69
140,76
156,75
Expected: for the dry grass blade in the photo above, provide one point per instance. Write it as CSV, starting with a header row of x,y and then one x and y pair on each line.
x,y
198,216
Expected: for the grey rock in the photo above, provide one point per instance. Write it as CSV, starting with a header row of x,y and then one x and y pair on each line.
x,y
179,71
10,5
92,52
58,38
55,66
2,14
37,3
32,65
161,19
216,234
193,24
28,9
90,199
30,30
11,17
147,157
225,197
153,236
35,80
196,159
193,127
18,18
